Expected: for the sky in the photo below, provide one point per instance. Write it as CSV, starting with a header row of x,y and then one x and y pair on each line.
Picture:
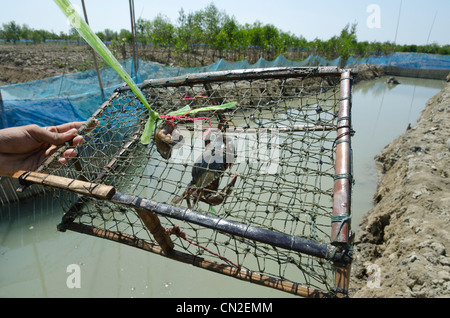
x,y
398,21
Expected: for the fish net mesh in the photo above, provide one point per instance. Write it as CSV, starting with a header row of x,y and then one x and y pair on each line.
x,y
283,130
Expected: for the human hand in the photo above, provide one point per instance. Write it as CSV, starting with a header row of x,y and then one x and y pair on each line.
x,y
26,147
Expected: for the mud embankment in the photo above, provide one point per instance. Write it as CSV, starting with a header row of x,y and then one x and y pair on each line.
x,y
403,249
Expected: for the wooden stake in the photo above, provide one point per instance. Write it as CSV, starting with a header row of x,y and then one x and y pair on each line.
x,y
153,224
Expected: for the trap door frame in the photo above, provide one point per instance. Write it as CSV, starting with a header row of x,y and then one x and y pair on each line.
x,y
340,238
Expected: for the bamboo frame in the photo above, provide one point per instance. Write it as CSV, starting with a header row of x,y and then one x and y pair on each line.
x,y
147,210
248,74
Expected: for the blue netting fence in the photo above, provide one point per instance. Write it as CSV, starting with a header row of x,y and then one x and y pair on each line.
x,y
73,97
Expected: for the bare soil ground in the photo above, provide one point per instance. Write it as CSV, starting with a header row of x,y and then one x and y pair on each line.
x,y
403,249
27,62
22,63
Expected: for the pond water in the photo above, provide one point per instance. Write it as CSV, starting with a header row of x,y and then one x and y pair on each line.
x,y
35,258
380,114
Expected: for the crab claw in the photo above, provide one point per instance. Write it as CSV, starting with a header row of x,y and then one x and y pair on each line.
x,y
229,188
218,198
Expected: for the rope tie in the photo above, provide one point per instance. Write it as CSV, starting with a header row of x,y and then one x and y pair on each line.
x,y
22,178
177,232
340,218
347,176
346,78
343,118
170,120
338,140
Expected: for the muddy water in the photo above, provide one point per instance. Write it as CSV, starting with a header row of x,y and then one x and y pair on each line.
x,y
380,114
34,257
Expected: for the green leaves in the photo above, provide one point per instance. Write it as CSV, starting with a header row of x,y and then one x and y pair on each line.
x,y
149,128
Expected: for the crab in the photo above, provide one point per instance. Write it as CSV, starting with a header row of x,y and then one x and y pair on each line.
x,y
166,137
207,173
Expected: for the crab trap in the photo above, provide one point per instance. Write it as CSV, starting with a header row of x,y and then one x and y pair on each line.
x,y
259,190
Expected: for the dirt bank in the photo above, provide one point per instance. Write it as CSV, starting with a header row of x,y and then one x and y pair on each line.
x,y
23,63
403,249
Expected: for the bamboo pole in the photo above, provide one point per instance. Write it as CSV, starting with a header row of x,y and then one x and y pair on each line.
x,y
246,74
94,57
99,191
133,34
287,129
241,274
343,171
340,227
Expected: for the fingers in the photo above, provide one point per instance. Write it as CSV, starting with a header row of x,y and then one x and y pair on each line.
x,y
74,125
77,140
58,135
65,156
66,127
71,153
50,135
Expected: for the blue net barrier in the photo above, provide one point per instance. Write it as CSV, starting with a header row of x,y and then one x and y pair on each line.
x,y
76,96
416,61
42,112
